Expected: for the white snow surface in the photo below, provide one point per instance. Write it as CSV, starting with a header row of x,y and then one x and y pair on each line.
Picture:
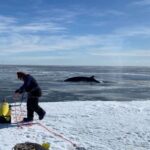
x,y
94,125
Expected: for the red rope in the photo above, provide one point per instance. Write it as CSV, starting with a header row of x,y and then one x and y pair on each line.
x,y
58,135
16,120
17,117
50,131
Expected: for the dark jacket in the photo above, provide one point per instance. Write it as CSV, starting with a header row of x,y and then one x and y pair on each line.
x,y
30,85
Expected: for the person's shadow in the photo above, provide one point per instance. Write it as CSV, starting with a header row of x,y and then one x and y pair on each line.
x,y
8,125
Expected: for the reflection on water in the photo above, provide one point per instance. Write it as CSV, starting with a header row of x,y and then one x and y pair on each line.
x,y
117,83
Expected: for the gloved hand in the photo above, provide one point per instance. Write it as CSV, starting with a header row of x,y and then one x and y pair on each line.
x,y
16,95
17,91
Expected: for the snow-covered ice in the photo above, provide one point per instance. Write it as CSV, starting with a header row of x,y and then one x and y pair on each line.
x,y
95,125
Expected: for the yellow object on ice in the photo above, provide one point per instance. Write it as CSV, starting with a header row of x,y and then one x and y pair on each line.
x,y
4,109
46,146
8,116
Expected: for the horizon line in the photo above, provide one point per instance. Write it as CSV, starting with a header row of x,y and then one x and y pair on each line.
x,y
58,65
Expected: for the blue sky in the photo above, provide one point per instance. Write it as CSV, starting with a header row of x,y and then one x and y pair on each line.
x,y
75,32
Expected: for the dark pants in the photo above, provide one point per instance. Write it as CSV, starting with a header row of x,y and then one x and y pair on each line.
x,y
32,106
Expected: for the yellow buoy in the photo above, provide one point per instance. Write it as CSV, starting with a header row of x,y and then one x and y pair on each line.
x,y
46,146
4,109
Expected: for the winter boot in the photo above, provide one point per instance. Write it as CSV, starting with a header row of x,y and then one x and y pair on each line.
x,y
42,115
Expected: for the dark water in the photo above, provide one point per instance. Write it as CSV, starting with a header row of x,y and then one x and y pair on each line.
x,y
117,83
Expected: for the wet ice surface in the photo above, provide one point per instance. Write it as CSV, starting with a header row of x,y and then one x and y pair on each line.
x,y
117,83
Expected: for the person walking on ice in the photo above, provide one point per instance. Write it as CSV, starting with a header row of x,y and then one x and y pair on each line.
x,y
30,86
